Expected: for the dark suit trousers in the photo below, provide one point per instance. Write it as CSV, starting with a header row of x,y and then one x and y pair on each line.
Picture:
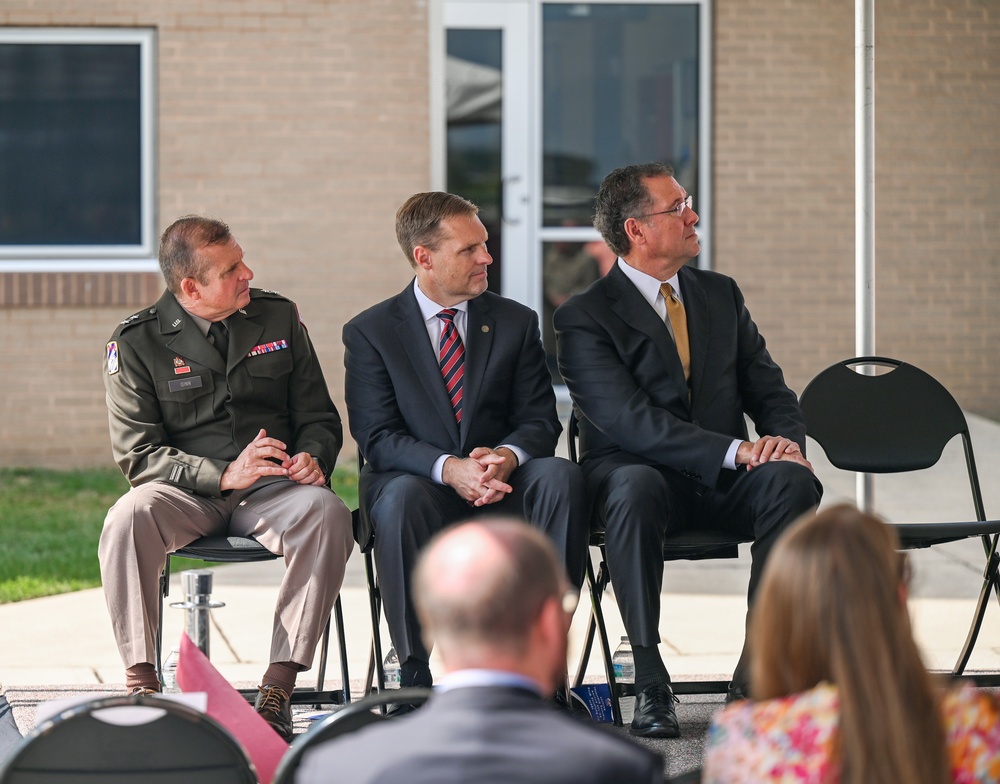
x,y
638,505
549,493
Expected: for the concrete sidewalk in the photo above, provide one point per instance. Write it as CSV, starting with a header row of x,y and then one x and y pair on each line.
x,y
66,640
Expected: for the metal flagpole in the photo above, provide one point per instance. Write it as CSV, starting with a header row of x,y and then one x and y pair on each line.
x,y
864,201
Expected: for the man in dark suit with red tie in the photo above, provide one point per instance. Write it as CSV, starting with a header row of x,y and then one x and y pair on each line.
x,y
451,404
663,362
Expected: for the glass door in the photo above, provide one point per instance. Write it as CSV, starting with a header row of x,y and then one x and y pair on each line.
x,y
487,130
544,98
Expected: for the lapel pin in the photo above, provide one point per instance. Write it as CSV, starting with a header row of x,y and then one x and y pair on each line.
x,y
176,322
484,328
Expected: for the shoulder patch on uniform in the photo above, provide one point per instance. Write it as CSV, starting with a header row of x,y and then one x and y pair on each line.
x,y
267,293
112,356
136,318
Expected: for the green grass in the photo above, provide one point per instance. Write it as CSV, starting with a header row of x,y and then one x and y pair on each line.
x,y
50,522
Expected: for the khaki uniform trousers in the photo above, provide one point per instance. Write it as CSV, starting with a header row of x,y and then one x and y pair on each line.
x,y
309,526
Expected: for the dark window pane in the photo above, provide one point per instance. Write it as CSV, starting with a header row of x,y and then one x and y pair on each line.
x,y
620,86
70,144
473,85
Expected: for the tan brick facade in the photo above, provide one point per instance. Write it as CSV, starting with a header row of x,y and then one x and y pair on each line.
x,y
305,124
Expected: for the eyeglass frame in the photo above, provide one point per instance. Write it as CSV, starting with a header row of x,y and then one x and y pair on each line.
x,y
686,203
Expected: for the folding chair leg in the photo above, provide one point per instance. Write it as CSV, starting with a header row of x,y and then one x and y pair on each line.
x,y
991,580
602,634
338,614
375,670
324,649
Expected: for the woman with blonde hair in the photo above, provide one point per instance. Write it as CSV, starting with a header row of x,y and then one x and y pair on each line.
x,y
841,695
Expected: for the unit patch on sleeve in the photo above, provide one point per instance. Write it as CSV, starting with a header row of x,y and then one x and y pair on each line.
x,y
112,357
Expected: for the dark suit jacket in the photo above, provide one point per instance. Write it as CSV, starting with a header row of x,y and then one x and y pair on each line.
x,y
627,384
399,413
482,735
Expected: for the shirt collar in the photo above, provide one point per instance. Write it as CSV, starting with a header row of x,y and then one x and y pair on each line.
x,y
649,286
429,308
464,678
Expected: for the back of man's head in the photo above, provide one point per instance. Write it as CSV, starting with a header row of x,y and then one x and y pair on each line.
x,y
481,589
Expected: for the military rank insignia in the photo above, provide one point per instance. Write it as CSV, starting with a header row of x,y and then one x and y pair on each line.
x,y
112,357
267,348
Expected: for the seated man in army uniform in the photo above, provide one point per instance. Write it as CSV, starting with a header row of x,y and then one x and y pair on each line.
x,y
222,423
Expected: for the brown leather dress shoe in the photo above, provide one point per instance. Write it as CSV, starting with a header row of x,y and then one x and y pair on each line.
x,y
142,691
275,706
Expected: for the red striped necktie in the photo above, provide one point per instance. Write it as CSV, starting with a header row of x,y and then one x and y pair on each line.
x,y
451,357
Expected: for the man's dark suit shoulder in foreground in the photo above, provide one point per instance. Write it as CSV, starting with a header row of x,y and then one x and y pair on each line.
x,y
487,735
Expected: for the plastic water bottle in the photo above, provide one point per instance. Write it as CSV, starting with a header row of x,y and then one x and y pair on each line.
x,y
623,663
169,672
391,669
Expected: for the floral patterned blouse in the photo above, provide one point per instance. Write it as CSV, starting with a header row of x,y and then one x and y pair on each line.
x,y
788,740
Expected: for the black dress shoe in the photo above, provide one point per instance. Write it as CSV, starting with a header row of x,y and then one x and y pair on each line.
x,y
736,692
397,709
655,716
275,707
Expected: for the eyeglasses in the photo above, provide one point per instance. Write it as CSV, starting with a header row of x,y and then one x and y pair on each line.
x,y
678,210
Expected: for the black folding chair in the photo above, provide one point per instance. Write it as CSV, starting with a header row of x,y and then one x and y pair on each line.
x,y
898,421
245,549
369,710
168,742
703,542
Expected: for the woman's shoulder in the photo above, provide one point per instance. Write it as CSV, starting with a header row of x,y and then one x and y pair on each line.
x,y
971,720
784,739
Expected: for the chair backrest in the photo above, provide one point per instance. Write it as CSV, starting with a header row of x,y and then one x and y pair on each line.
x,y
887,423
174,743
353,717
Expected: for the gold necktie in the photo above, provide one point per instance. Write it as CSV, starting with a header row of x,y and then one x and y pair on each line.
x,y
679,324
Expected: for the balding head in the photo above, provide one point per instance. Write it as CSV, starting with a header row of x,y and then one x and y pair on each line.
x,y
482,589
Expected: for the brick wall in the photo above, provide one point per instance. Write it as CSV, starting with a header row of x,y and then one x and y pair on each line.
x,y
303,125
784,182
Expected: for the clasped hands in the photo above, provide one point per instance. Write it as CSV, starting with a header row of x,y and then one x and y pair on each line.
x,y
258,460
480,478
770,448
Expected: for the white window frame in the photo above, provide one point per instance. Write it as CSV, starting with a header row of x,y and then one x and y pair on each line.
x,y
140,257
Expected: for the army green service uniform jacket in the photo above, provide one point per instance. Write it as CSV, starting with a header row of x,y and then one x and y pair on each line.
x,y
181,414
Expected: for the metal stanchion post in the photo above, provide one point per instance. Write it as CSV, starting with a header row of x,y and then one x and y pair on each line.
x,y
197,585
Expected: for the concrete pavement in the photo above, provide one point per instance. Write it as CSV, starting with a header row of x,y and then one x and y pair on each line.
x,y
64,643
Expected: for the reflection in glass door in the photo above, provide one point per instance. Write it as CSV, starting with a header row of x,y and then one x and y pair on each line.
x,y
583,88
486,79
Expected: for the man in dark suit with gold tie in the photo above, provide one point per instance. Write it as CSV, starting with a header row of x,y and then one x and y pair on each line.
x,y
663,362
451,404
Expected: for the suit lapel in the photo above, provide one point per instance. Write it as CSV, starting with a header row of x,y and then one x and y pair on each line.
x,y
244,333
699,320
412,332
186,338
480,329
635,311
